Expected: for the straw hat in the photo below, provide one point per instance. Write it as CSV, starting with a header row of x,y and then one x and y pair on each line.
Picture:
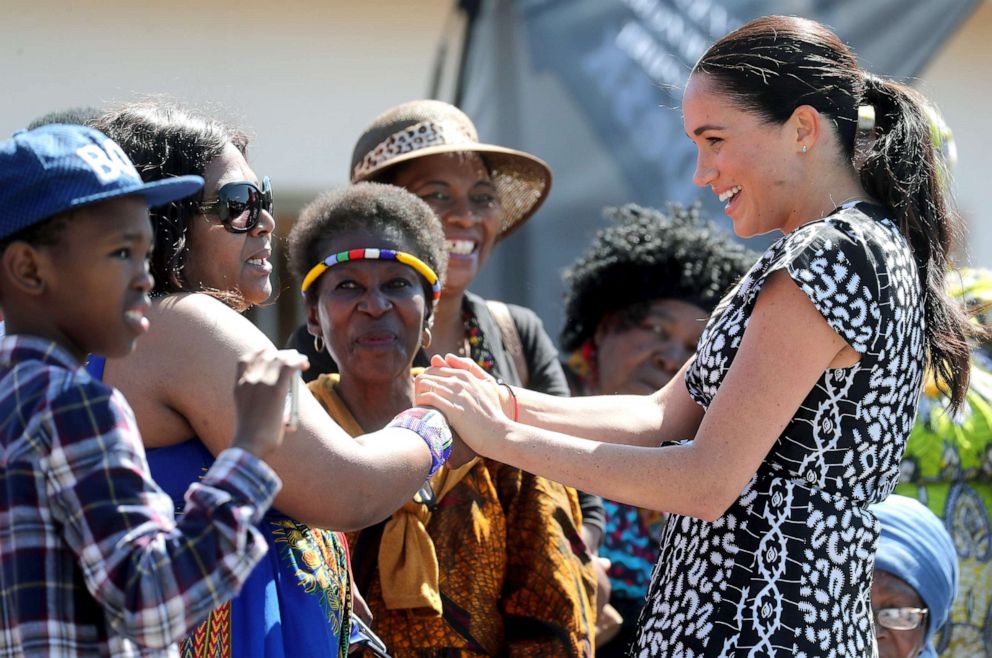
x,y
428,127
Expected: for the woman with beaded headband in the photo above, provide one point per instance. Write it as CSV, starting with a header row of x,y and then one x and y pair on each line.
x,y
478,563
481,193
768,447
211,261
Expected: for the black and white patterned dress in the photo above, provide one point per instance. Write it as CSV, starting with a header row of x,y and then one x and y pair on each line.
x,y
787,570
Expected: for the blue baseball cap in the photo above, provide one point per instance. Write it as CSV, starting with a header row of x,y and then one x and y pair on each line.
x,y
56,168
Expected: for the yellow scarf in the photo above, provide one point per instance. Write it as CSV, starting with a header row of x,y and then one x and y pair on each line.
x,y
408,567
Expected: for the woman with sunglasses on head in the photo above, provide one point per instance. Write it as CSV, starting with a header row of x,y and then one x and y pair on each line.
x,y
211,261
770,444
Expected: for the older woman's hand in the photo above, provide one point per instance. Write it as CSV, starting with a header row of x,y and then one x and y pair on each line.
x,y
467,396
461,452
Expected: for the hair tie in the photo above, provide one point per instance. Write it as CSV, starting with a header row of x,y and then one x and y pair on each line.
x,y
422,268
513,396
866,118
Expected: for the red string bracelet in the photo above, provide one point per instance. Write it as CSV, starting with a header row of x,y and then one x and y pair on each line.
x,y
513,396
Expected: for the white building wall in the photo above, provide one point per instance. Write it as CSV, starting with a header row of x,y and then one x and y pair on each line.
x,y
959,80
304,77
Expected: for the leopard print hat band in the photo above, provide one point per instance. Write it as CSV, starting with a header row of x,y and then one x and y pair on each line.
x,y
413,138
427,127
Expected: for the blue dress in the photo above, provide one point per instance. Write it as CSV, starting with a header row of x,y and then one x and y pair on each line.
x,y
297,601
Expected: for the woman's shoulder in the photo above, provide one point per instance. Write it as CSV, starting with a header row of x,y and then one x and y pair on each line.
x,y
527,342
521,314
193,338
191,305
197,320
527,323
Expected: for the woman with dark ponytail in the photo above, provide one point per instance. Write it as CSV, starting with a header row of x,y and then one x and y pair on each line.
x,y
770,444
903,172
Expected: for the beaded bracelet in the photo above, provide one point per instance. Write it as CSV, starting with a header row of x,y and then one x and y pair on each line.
x,y
513,396
432,428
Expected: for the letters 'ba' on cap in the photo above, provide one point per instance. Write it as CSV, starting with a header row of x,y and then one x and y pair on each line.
x,y
56,168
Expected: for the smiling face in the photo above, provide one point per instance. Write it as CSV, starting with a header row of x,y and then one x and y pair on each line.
x,y
751,164
371,313
889,591
459,190
640,359
97,279
225,261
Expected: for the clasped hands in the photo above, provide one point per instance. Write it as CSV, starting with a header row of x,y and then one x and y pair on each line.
x,y
476,407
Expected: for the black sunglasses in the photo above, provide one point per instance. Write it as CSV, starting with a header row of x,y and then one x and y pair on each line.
x,y
240,204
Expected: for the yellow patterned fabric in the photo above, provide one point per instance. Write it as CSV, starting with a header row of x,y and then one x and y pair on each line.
x,y
948,466
408,566
514,576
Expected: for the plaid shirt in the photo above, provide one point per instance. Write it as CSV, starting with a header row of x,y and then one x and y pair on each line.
x,y
92,559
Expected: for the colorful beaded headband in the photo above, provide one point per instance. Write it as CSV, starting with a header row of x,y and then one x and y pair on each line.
x,y
422,268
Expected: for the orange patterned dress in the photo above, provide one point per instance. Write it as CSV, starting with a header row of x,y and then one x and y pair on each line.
x,y
515,578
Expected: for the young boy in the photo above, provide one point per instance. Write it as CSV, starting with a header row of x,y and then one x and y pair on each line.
x,y
92,561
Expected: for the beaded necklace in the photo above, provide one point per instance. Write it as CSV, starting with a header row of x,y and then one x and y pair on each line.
x,y
477,348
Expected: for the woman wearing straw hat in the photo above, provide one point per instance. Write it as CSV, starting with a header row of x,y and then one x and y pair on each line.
x,y
481,193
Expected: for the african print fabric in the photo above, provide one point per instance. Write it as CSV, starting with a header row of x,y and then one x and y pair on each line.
x,y
786,571
630,542
296,602
514,575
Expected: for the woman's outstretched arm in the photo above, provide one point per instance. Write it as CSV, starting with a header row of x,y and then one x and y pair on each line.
x,y
784,351
179,379
646,418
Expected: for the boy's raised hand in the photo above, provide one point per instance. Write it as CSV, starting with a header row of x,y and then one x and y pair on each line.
x,y
260,390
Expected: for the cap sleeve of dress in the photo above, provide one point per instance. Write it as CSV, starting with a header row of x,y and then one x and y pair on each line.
x,y
834,263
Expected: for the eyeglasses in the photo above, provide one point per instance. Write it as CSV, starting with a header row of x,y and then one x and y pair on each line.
x,y
240,204
900,619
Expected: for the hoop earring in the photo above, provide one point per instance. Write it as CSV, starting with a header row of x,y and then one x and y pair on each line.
x,y
318,344
427,338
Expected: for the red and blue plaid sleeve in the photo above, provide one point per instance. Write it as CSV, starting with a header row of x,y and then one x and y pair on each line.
x,y
155,577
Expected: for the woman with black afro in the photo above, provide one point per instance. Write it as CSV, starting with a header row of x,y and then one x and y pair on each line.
x,y
636,303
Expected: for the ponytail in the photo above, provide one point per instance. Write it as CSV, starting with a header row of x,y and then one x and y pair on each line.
x,y
901,170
